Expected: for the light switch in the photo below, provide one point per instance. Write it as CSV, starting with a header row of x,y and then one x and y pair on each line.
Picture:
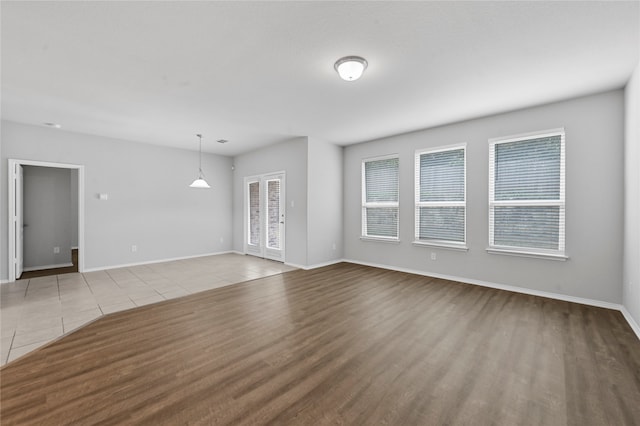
x,y
103,197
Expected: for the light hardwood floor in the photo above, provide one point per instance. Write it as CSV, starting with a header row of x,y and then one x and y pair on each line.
x,y
344,344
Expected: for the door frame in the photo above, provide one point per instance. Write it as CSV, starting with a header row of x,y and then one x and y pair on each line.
x,y
262,178
12,203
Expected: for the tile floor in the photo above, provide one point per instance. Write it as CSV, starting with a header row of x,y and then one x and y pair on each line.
x,y
36,311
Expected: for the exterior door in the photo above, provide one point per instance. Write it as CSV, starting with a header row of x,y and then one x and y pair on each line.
x,y
253,229
274,220
265,216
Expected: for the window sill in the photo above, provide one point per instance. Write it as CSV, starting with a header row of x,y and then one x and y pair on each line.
x,y
442,245
533,254
381,240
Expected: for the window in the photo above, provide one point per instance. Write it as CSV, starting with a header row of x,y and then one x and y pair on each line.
x,y
440,197
380,198
527,194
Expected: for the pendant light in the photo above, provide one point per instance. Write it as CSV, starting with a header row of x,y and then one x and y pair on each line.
x,y
200,182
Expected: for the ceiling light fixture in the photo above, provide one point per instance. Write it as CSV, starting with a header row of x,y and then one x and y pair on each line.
x,y
350,68
200,182
54,125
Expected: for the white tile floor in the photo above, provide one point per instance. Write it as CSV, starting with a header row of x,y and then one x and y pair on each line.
x,y
36,311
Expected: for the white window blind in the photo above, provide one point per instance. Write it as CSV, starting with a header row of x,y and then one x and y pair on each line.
x,y
440,195
254,213
273,212
527,193
380,197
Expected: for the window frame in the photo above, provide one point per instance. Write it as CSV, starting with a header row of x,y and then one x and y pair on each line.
x,y
378,204
560,253
455,245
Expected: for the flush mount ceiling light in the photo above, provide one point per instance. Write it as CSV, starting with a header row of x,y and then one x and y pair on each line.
x,y
350,68
200,182
54,125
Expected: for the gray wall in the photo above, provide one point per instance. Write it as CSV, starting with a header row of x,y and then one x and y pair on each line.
x,y
150,203
324,236
594,201
291,157
631,279
48,214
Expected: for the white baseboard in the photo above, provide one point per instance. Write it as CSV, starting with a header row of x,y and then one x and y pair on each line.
x,y
150,262
557,296
584,301
632,322
317,265
38,268
591,302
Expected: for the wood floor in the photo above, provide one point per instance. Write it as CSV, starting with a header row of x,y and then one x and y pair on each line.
x,y
345,344
53,271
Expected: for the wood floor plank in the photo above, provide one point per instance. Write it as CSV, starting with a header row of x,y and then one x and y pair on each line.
x,y
344,344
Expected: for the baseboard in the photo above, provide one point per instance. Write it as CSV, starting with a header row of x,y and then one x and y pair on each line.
x,y
3,281
590,302
317,265
632,322
38,268
557,296
150,262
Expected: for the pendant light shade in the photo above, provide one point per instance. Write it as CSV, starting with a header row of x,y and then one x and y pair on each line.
x,y
200,182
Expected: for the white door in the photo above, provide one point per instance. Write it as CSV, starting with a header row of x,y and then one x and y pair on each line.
x,y
253,229
265,216
18,221
274,221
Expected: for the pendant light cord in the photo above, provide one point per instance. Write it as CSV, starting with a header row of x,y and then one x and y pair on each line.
x,y
200,156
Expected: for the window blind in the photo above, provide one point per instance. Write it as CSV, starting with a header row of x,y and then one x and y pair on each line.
x,y
254,213
273,212
380,198
440,195
526,194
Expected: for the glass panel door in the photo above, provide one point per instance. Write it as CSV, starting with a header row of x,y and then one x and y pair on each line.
x,y
253,243
265,216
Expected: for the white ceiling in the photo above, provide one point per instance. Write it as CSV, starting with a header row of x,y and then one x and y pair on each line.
x,y
260,72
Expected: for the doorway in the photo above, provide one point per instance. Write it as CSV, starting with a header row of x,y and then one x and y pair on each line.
x,y
264,223
16,214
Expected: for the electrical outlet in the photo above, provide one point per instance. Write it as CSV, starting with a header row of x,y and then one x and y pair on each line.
x,y
433,255
134,248
56,250
221,240
334,246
